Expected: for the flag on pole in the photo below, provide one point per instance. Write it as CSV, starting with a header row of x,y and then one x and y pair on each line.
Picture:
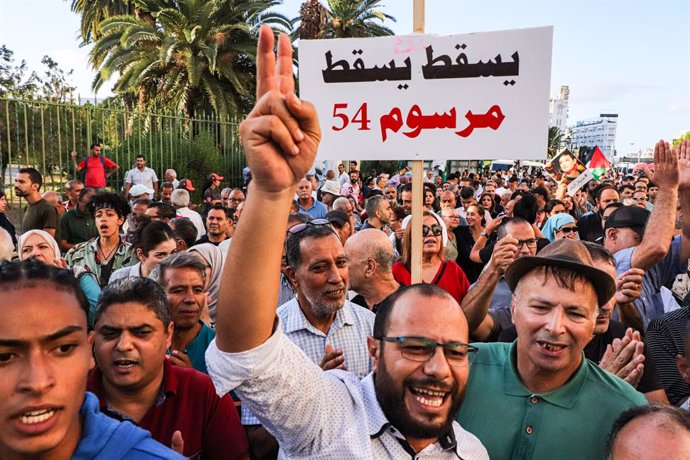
x,y
598,164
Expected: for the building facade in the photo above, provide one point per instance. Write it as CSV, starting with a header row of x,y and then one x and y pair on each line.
x,y
558,109
599,132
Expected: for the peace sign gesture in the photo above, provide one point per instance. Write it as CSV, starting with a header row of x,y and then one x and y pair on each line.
x,y
281,134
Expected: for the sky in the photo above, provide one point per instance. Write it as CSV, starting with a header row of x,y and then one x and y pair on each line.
x,y
630,57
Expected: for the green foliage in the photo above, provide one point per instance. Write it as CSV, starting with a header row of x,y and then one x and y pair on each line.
x,y
355,18
16,81
683,137
554,142
390,167
189,56
93,12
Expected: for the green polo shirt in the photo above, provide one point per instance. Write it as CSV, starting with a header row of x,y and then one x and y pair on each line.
x,y
77,227
571,422
196,350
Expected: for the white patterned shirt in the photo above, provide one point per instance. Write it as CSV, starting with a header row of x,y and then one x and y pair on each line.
x,y
349,331
321,415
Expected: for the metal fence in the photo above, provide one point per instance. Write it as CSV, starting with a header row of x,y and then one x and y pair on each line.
x,y
42,134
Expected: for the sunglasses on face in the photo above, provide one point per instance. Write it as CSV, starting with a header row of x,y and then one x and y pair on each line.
x,y
568,229
434,229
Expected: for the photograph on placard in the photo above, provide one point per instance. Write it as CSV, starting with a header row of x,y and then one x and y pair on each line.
x,y
565,166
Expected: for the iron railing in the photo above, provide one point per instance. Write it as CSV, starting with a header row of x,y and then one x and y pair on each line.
x,y
42,134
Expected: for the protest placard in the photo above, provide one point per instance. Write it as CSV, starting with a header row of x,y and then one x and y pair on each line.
x,y
472,96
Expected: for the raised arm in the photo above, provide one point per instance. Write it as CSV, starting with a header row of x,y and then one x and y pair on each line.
x,y
659,231
280,138
684,197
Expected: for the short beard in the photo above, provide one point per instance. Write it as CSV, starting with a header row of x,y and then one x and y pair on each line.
x,y
319,309
393,405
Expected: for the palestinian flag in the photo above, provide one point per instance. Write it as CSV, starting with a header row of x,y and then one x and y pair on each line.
x,y
598,164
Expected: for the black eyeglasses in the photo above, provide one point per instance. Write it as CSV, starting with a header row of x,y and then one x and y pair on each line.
x,y
436,230
421,349
532,242
568,229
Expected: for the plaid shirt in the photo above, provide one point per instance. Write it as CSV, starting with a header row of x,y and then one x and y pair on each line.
x,y
349,331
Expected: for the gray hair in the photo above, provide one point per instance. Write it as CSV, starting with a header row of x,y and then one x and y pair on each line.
x,y
226,190
179,260
180,198
171,172
143,291
340,204
6,245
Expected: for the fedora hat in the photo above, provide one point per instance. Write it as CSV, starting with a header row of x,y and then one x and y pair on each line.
x,y
568,254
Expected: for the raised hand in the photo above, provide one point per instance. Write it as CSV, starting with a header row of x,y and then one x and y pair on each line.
x,y
505,251
281,134
624,357
629,286
684,164
665,173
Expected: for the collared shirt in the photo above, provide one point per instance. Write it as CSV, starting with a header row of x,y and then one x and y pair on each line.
x,y
147,177
317,210
196,349
187,402
317,414
86,255
571,422
349,331
651,304
77,227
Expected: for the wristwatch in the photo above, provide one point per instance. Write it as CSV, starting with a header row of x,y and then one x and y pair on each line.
x,y
484,234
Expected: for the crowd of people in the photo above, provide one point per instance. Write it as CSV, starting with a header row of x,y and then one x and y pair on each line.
x,y
279,320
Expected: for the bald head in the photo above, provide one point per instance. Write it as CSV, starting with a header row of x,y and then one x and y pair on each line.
x,y
370,253
651,433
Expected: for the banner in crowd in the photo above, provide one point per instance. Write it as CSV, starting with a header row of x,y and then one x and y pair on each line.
x,y
473,96
599,164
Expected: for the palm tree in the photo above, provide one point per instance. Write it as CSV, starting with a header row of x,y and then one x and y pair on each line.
x,y
191,56
554,143
353,18
93,12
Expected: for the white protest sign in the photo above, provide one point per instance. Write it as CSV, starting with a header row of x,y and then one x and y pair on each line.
x,y
425,97
580,182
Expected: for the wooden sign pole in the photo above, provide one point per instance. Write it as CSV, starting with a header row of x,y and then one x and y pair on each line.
x,y
417,178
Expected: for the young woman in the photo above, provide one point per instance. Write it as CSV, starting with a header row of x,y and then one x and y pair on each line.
x,y
154,241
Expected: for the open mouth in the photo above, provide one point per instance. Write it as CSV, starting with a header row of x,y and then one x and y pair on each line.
x,y
426,397
551,347
124,363
335,294
37,416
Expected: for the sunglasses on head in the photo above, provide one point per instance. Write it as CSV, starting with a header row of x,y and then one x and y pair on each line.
x,y
435,229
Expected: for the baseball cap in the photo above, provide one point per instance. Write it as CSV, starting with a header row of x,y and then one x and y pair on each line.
x,y
632,217
187,185
214,176
568,254
140,189
337,217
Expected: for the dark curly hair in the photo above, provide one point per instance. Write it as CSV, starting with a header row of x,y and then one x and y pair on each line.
x,y
109,200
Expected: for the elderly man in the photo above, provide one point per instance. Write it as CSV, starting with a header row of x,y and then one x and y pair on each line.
x,y
404,406
307,203
170,175
180,199
72,189
545,397
371,257
487,314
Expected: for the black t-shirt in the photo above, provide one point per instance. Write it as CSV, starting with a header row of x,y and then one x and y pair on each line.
x,y
359,300
596,348
465,242
204,239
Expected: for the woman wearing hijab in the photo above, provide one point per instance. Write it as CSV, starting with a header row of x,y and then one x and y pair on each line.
x,y
213,259
4,221
42,246
560,226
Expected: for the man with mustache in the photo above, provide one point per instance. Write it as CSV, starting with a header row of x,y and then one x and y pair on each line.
x,y
544,397
420,355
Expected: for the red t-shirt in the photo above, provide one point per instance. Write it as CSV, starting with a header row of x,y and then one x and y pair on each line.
x,y
95,172
450,277
209,424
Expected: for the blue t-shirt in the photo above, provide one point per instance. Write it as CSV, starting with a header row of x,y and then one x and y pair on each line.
x,y
107,438
318,210
650,304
